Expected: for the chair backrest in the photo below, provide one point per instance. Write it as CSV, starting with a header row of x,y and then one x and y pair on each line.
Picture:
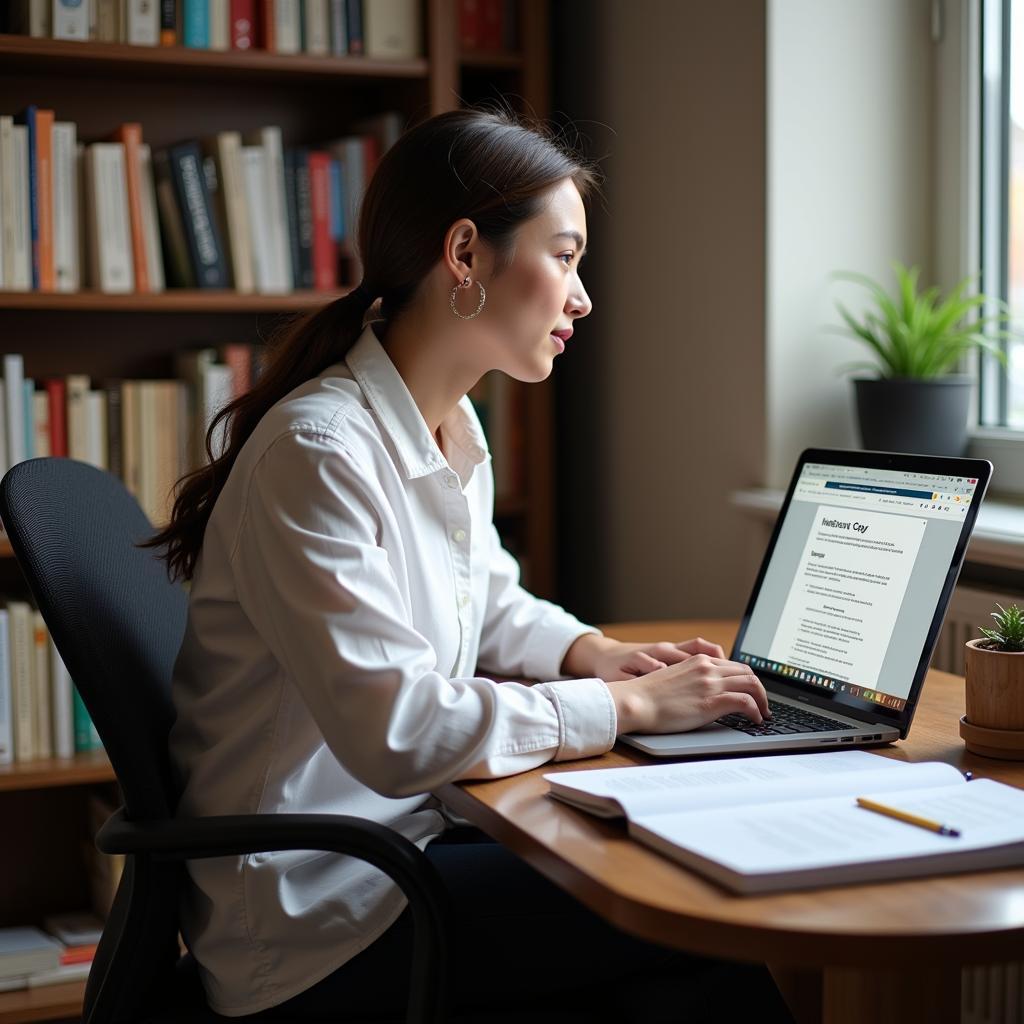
x,y
115,618
117,621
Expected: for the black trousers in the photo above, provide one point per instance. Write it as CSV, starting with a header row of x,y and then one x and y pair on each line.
x,y
523,948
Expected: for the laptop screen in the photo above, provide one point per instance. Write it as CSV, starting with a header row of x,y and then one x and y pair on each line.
x,y
847,600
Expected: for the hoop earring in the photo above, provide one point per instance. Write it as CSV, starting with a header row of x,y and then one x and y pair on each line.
x,y
476,312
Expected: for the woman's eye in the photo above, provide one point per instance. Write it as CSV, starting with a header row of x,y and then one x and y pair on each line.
x,y
568,256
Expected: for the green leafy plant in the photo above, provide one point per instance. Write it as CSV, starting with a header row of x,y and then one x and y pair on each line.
x,y
918,334
1009,632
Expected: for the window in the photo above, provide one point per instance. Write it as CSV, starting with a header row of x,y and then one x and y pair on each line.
x,y
1002,201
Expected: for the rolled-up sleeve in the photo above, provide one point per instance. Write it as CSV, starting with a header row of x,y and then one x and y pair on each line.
x,y
320,589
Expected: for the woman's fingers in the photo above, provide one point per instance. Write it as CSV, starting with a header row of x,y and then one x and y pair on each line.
x,y
731,702
700,646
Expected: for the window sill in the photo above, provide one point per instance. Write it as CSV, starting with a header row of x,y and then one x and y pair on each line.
x,y
998,537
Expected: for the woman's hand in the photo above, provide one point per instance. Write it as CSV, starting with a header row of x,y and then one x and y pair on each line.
x,y
598,657
687,695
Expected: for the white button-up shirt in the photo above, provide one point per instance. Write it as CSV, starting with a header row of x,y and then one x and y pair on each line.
x,y
350,581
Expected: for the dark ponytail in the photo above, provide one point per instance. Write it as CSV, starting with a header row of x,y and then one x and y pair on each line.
x,y
485,165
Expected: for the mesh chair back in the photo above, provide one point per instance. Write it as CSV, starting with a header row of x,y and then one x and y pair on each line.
x,y
117,622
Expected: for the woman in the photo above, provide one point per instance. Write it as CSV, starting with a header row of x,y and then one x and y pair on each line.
x,y
346,580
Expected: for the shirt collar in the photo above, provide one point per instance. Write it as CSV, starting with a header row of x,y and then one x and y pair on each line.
x,y
389,398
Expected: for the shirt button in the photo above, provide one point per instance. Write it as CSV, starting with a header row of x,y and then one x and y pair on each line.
x,y
459,536
451,482
464,600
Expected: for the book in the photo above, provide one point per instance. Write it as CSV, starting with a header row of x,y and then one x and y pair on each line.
x,y
130,136
109,226
74,928
762,824
150,221
300,215
20,661
392,29
339,29
42,712
27,951
61,705
316,27
354,27
287,26
6,696
220,25
21,240
225,148
243,24
66,267
196,24
70,20
168,22
274,206
39,124
14,407
142,22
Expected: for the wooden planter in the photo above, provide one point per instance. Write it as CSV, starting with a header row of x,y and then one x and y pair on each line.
x,y
994,723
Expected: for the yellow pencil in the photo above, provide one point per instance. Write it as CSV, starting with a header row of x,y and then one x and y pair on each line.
x,y
910,819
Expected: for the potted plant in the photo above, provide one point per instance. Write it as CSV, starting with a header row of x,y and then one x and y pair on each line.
x,y
994,723
914,403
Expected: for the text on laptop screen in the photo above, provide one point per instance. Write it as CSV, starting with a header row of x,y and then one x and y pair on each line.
x,y
852,585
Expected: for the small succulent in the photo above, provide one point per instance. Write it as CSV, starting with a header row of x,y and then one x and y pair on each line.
x,y
1009,632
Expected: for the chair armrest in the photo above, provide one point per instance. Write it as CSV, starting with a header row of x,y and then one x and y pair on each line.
x,y
383,847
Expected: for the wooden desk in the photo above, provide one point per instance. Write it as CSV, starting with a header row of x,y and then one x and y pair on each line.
x,y
881,952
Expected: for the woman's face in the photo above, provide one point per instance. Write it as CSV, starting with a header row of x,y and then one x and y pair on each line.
x,y
540,291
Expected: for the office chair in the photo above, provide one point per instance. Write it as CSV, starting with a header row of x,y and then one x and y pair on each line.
x,y
117,622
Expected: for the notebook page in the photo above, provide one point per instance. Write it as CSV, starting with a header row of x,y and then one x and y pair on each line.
x,y
736,781
835,831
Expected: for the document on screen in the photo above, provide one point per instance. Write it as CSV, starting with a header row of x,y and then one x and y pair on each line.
x,y
846,595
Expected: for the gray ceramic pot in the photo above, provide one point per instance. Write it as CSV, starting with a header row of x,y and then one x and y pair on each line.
x,y
925,417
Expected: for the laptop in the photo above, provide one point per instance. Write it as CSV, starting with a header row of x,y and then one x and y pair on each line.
x,y
848,602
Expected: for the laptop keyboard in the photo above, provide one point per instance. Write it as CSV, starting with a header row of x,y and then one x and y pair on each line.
x,y
786,720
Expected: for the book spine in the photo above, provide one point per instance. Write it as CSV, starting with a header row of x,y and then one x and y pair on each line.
x,y
7,200
96,427
392,29
220,25
41,425
29,120
253,161
108,21
86,737
42,717
317,26
324,255
6,696
490,25
291,159
304,213
61,705
179,267
243,24
205,252
76,389
115,446
227,149
150,222
70,19
44,198
14,408
196,24
237,356
287,26
20,622
337,195
142,26
354,24
56,395
168,22
339,29
109,219
28,406
22,266
130,468
266,31
469,24
65,207
130,136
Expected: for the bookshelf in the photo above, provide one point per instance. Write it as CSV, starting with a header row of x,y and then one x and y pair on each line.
x,y
176,94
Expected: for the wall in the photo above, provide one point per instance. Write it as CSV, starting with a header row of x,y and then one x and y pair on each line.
x,y
849,170
751,147
661,394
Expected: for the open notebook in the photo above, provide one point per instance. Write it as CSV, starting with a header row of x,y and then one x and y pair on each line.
x,y
792,821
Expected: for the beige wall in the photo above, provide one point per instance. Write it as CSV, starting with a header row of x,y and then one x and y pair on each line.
x,y
751,148
671,398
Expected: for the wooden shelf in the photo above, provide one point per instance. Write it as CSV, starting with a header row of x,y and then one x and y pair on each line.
x,y
67,57
174,300
491,61
51,1002
54,771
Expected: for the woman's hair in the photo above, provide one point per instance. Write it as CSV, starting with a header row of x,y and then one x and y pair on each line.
x,y
489,166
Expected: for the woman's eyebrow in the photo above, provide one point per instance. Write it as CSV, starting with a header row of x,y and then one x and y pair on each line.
x,y
575,236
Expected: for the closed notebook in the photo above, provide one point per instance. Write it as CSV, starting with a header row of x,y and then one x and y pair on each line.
x,y
760,824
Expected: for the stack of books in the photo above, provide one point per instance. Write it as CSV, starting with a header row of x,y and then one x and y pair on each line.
x,y
385,29
148,433
62,951
228,211
41,713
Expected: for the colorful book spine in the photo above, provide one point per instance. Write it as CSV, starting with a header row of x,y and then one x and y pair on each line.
x,y
206,253
86,736
169,22
130,136
196,24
